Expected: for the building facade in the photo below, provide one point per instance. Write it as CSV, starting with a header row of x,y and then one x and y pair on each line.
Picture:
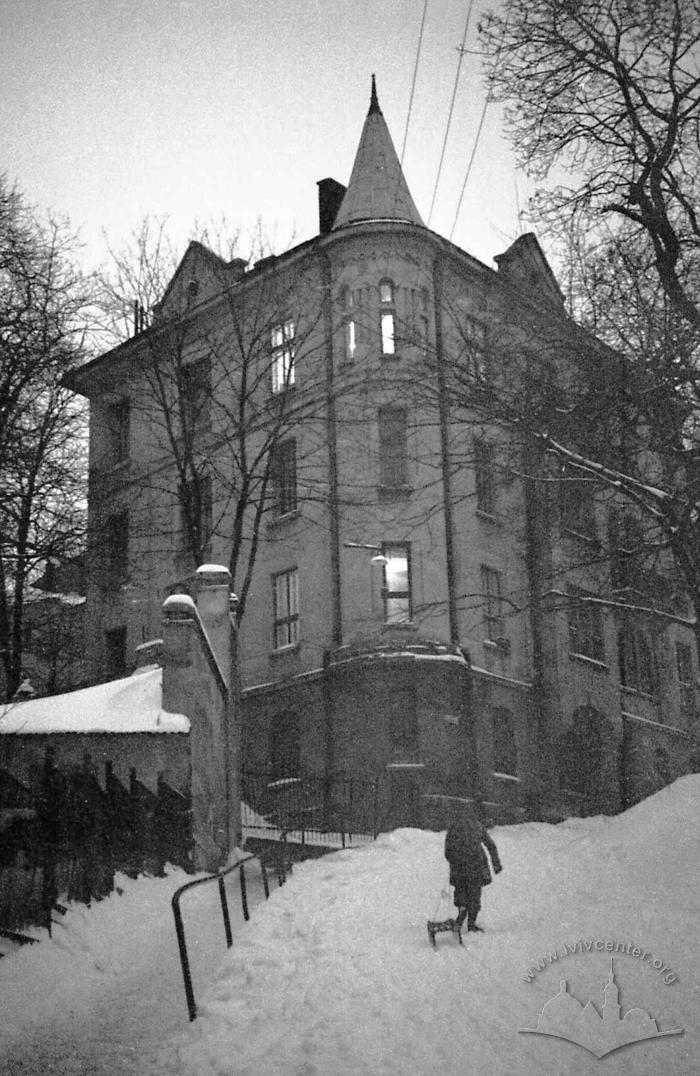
x,y
414,600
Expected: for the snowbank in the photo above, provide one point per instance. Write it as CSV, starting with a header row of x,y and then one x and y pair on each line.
x,y
334,974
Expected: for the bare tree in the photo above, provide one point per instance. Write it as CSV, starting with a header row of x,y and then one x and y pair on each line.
x,y
43,299
609,92
219,390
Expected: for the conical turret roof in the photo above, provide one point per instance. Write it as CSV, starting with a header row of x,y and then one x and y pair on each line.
x,y
377,189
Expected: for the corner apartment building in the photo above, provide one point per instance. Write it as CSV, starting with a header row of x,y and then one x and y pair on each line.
x,y
418,604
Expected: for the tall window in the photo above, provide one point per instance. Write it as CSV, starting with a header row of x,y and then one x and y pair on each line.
x,y
349,325
493,617
115,651
585,626
505,752
195,394
284,476
196,516
577,507
474,335
397,583
684,665
117,548
286,602
485,478
118,426
637,660
283,368
285,745
387,317
392,447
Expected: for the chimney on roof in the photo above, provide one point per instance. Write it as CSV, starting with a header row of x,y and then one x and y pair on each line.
x,y
330,195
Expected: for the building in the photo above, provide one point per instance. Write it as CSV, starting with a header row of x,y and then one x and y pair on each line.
x,y
416,603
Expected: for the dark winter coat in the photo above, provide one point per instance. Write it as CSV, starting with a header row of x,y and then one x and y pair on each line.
x,y
464,851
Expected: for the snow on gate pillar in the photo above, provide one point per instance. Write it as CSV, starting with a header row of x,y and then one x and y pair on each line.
x,y
193,685
215,606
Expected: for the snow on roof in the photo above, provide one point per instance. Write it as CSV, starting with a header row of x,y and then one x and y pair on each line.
x,y
132,704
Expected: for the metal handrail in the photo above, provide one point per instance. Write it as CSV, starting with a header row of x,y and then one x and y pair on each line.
x,y
218,877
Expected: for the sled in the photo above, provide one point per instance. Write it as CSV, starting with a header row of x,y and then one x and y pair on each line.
x,y
443,926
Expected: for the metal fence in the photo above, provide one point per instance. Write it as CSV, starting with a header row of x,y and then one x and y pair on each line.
x,y
66,836
309,809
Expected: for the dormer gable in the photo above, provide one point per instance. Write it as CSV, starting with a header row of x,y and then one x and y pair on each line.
x,y
524,266
200,276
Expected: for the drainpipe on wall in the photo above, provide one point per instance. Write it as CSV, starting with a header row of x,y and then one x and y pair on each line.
x,y
331,436
443,412
467,718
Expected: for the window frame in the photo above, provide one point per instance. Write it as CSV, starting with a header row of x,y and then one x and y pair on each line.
x,y
494,617
285,611
392,436
638,668
577,514
485,478
195,395
586,639
282,356
395,595
387,318
119,429
505,744
686,679
283,468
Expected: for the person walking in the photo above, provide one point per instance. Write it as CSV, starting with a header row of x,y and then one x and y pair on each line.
x,y
466,844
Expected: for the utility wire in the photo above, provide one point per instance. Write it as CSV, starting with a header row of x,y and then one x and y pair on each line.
x,y
487,102
413,84
452,105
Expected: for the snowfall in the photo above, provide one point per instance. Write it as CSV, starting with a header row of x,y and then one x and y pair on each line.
x,y
335,972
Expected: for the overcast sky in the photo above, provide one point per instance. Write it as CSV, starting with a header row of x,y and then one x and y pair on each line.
x,y
194,109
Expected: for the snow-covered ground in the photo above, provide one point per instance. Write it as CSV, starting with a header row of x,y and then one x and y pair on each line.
x,y
334,974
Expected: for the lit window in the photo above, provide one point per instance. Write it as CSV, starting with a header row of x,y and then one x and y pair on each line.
x,y
387,317
286,599
585,627
284,476
392,447
397,584
283,367
349,325
485,478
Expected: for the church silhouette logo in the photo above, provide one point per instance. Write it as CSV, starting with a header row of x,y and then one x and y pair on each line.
x,y
564,1017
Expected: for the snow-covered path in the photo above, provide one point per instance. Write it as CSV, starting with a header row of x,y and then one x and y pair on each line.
x,y
334,974
107,988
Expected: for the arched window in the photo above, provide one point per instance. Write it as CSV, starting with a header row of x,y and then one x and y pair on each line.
x,y
505,749
347,301
584,751
387,317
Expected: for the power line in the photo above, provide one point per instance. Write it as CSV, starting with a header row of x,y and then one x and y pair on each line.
x,y
452,105
487,102
413,84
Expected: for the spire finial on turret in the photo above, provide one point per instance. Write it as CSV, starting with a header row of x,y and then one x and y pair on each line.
x,y
374,100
